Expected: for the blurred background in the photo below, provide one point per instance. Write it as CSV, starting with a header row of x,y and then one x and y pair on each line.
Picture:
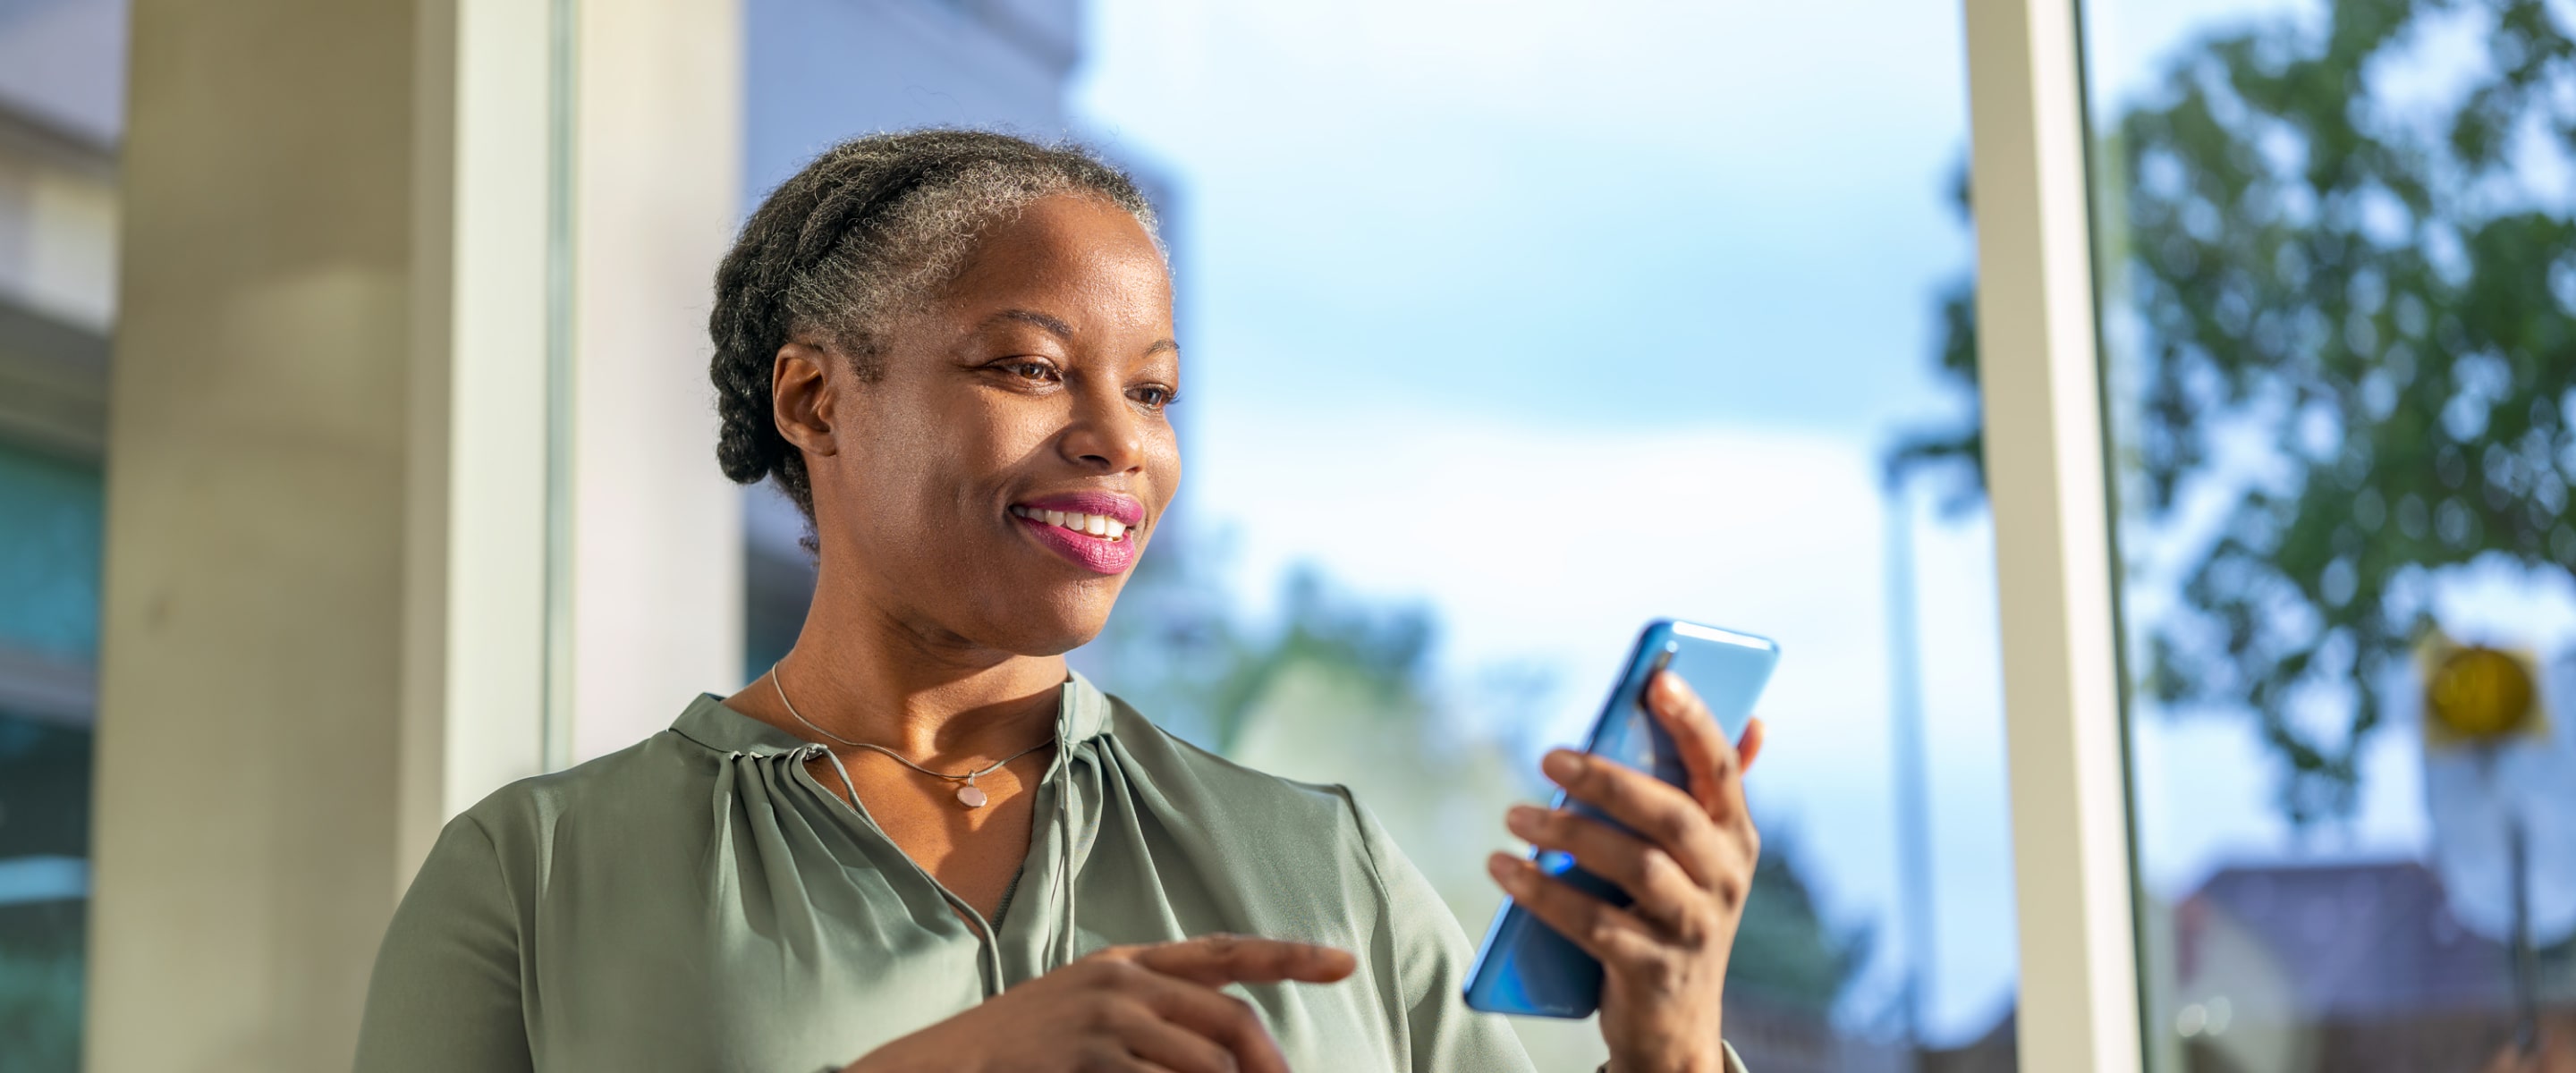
x,y
1691,285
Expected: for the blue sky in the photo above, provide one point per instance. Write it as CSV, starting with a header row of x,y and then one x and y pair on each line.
x,y
1610,215
1558,317
1647,286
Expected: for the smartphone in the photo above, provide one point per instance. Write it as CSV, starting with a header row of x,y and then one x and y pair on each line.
x,y
1525,967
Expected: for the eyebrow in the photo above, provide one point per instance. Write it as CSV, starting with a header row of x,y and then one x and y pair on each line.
x,y
1053,325
1061,330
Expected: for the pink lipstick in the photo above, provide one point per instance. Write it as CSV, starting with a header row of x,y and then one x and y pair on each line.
x,y
1097,530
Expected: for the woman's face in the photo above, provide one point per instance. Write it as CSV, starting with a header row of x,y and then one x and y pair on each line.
x,y
995,483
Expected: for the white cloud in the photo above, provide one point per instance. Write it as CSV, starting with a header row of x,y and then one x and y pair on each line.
x,y
1798,77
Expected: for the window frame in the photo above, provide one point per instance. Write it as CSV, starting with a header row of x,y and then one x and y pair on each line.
x,y
2039,385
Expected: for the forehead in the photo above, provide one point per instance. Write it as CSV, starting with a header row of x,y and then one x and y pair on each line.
x,y
1076,257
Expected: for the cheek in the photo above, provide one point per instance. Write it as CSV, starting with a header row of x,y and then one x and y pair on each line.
x,y
1165,467
927,454
1015,431
958,468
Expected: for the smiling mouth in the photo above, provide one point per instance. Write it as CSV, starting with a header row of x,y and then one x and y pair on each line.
x,y
1095,526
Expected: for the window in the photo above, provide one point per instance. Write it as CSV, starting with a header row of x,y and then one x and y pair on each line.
x,y
2337,280
1510,329
61,107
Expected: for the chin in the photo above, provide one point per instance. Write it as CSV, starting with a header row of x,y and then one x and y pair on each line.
x,y
1054,624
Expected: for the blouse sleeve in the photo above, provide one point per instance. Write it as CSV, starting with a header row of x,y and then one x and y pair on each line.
x,y
1431,959
445,996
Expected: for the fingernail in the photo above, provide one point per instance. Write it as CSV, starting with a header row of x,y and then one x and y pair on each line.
x,y
1522,819
1561,764
1500,866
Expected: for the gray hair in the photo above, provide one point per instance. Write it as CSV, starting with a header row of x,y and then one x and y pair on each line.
x,y
865,231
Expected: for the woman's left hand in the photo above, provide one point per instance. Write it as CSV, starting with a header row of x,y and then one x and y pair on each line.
x,y
1688,868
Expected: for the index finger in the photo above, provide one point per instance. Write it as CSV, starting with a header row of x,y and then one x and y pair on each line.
x,y
1706,754
1217,960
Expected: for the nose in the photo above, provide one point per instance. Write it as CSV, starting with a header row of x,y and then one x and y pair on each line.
x,y
1106,434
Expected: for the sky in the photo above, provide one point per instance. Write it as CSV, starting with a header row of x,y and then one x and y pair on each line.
x,y
1559,317
1596,216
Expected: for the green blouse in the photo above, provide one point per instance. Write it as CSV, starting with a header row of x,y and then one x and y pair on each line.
x,y
701,902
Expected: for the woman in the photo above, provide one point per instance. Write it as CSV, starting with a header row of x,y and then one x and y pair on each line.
x,y
919,842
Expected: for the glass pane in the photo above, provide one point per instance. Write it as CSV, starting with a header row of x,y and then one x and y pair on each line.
x,y
1508,329
2338,291
62,90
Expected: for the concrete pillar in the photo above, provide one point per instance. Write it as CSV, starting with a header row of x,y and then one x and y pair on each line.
x,y
385,432
258,474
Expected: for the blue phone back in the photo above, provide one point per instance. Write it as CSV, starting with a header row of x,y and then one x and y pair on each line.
x,y
1525,967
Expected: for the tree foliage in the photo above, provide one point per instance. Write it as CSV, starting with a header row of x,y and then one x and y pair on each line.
x,y
2339,274
1186,658
1787,953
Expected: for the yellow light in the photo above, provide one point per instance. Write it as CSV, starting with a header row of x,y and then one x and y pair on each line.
x,y
2479,694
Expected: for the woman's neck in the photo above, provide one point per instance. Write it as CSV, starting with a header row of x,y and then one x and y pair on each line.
x,y
929,696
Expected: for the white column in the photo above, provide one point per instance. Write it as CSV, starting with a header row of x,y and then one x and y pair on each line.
x,y
321,529
476,561
2045,469
332,615
657,530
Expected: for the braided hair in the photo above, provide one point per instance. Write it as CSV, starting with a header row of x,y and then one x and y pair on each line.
x,y
867,230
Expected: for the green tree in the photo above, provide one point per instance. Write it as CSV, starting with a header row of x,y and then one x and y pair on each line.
x,y
1176,649
1342,691
1787,953
2365,281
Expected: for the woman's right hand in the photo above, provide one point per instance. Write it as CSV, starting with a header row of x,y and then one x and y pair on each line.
x,y
1145,1008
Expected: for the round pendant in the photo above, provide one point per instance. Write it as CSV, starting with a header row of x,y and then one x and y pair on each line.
x,y
971,797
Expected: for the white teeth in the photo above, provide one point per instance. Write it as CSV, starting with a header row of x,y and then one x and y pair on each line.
x,y
1099,525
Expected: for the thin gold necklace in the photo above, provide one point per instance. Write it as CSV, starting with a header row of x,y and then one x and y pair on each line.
x,y
967,794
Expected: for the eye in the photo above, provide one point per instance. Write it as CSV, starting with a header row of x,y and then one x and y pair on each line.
x,y
1031,370
1154,396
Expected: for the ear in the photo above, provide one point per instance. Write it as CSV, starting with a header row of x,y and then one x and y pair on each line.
x,y
800,396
